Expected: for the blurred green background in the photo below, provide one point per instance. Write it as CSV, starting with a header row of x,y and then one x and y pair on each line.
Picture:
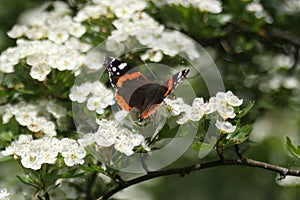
x,y
245,50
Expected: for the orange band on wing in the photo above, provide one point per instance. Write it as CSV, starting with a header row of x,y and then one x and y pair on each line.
x,y
145,115
170,85
127,77
121,101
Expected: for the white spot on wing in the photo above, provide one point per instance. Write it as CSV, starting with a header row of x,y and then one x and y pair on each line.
x,y
179,75
114,69
122,66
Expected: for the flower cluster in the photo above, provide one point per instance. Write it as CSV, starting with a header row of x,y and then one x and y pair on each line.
x,y
53,43
257,8
223,104
34,153
211,6
272,65
95,94
131,24
110,133
35,116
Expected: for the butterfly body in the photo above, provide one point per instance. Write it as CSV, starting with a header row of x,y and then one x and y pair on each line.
x,y
134,90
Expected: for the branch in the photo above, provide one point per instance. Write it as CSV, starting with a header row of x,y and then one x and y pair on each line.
x,y
186,170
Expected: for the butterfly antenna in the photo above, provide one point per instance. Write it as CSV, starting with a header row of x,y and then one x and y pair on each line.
x,y
155,77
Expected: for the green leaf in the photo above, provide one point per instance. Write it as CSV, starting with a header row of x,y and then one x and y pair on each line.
x,y
93,168
26,179
241,135
72,173
52,177
205,148
245,110
293,150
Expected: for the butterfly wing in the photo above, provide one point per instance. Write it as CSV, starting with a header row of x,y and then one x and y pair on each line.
x,y
172,83
115,68
124,79
134,90
148,97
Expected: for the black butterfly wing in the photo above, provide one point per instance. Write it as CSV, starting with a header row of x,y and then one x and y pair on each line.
x,y
115,68
147,98
124,79
134,90
127,89
172,83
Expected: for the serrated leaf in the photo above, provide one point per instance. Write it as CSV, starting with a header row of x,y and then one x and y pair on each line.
x,y
244,111
26,179
241,135
292,149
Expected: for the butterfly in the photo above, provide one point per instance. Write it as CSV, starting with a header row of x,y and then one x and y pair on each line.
x,y
134,90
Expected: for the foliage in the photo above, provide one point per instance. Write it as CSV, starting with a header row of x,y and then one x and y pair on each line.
x,y
54,88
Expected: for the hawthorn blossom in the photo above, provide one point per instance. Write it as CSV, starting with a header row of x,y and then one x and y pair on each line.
x,y
33,153
4,195
95,94
35,115
111,134
225,127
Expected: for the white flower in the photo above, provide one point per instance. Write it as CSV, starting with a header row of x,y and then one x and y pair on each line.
x,y
56,110
4,195
254,6
32,160
48,128
76,44
120,115
34,153
17,31
289,181
232,99
225,103
114,46
36,59
212,6
40,71
90,11
72,152
290,83
87,139
211,106
124,145
257,8
74,156
154,56
6,68
24,117
58,35
94,103
76,29
174,107
7,112
225,111
225,127
35,123
197,111
37,32
80,93
92,60
111,134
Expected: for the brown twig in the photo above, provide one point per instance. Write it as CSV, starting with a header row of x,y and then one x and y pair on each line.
x,y
186,170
